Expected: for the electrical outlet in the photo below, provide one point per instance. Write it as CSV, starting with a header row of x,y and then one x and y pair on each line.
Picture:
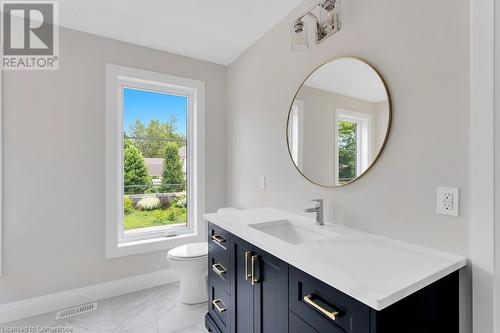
x,y
448,201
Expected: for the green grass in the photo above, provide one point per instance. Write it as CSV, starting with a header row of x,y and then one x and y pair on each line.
x,y
137,219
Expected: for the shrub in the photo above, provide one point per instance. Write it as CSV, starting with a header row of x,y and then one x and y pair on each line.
x,y
165,202
128,205
149,203
152,190
136,174
180,201
171,216
158,217
172,169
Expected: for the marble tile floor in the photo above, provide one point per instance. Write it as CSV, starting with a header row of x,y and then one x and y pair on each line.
x,y
152,310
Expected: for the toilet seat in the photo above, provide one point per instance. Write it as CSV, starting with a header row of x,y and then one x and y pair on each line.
x,y
188,252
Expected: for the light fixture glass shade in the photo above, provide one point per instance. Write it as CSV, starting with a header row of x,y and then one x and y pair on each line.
x,y
299,36
329,16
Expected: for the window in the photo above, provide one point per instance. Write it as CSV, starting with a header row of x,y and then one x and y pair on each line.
x,y
295,132
154,160
352,150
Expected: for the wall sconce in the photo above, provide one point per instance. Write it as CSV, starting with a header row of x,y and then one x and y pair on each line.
x,y
326,17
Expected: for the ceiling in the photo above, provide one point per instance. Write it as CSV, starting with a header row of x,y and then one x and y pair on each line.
x,y
216,30
349,77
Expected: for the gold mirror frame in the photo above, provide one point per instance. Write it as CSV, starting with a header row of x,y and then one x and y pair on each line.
x,y
389,122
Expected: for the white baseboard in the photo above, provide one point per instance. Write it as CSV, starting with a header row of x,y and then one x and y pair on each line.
x,y
69,298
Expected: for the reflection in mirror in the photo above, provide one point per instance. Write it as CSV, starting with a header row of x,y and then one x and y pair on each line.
x,y
338,122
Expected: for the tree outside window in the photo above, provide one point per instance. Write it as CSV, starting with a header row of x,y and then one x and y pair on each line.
x,y
347,144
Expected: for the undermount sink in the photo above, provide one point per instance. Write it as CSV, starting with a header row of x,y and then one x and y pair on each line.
x,y
292,233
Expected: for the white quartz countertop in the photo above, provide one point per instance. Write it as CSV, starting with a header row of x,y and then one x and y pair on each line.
x,y
375,270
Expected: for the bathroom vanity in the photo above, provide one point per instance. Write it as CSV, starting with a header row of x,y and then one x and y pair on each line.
x,y
272,271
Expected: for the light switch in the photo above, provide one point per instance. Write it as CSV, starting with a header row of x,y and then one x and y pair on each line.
x,y
262,183
448,201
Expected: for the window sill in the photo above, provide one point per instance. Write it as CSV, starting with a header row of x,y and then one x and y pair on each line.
x,y
151,245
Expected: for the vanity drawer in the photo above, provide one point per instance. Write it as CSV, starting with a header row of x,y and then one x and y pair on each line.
x,y
210,324
325,308
218,242
219,271
297,325
219,307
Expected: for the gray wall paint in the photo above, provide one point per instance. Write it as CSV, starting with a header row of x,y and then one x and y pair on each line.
x,y
427,70
430,91
54,165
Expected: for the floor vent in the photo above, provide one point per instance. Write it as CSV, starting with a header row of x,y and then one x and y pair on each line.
x,y
77,310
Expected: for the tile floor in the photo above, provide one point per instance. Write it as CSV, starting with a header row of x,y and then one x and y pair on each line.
x,y
152,310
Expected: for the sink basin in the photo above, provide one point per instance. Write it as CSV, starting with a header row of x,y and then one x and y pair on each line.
x,y
292,233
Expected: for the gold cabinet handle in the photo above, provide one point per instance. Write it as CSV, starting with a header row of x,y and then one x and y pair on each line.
x,y
221,308
219,269
219,240
330,314
254,279
247,255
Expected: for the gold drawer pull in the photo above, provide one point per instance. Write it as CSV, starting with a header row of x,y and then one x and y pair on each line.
x,y
219,240
219,269
247,255
332,315
254,279
219,308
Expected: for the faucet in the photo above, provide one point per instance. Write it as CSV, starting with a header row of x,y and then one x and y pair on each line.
x,y
318,209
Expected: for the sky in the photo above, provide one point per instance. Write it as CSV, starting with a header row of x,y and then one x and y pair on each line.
x,y
147,106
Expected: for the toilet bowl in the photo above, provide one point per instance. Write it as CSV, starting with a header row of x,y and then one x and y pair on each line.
x,y
190,262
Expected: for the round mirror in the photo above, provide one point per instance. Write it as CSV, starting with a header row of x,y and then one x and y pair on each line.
x,y
339,122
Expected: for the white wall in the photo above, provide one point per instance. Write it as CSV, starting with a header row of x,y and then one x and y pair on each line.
x,y
492,38
54,165
422,50
483,173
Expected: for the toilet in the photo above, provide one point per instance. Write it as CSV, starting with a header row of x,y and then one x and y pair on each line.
x,y
191,261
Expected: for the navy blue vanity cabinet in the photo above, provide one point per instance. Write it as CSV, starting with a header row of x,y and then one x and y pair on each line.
x,y
242,295
433,309
219,259
270,293
258,287
219,314
251,291
297,325
259,290
210,325
324,308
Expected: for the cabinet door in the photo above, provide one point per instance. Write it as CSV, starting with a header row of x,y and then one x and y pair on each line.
x,y
270,293
241,288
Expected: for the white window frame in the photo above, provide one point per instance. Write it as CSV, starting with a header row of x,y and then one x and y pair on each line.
x,y
1,173
117,242
363,149
296,133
